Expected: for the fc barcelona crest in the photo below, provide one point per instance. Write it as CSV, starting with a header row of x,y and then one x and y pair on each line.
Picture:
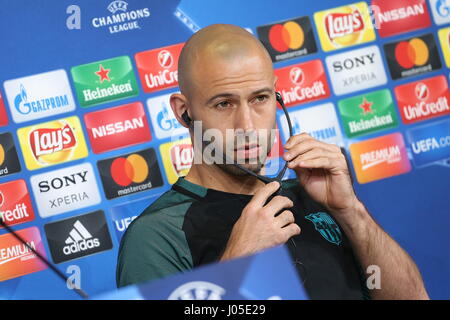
x,y
326,226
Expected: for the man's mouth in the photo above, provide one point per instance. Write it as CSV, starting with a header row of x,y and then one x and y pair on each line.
x,y
248,151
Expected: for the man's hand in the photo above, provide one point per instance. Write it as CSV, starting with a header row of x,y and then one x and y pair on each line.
x,y
258,228
322,171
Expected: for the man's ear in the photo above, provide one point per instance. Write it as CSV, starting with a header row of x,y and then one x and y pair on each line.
x,y
178,103
275,80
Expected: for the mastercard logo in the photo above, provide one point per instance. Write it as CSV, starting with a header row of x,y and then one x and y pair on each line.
x,y
2,154
132,169
289,35
412,53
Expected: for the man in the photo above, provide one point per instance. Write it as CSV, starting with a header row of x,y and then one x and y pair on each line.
x,y
219,212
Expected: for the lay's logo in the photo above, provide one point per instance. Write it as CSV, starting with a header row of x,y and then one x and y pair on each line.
x,y
177,158
47,141
341,24
52,143
344,26
182,156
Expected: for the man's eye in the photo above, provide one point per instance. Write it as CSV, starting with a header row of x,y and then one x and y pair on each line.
x,y
260,99
223,105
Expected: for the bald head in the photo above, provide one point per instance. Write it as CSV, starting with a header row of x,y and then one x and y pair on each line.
x,y
216,44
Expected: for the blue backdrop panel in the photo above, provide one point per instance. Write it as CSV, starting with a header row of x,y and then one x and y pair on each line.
x,y
414,207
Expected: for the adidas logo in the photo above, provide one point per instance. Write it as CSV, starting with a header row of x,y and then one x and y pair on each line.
x,y
79,240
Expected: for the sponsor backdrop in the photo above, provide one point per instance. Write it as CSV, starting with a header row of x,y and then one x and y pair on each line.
x,y
88,139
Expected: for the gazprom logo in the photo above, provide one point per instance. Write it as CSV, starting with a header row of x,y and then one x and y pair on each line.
x,y
443,8
167,121
20,100
39,96
23,106
117,6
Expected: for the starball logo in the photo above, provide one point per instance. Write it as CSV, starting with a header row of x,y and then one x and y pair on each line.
x,y
117,127
422,100
413,56
121,19
158,68
288,39
302,83
104,81
400,16
344,26
38,96
52,142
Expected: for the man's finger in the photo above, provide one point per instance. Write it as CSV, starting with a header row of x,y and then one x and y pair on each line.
x,y
260,197
277,204
335,159
307,145
284,219
291,230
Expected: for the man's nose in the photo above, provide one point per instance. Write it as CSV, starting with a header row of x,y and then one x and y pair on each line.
x,y
244,118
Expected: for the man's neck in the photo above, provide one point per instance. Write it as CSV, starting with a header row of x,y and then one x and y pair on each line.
x,y
212,177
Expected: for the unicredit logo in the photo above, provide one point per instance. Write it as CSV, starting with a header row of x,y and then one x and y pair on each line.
x,y
302,83
165,59
422,91
158,68
286,36
297,76
412,53
423,99
132,169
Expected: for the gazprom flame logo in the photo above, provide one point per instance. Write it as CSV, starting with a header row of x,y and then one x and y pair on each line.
x,y
118,5
20,100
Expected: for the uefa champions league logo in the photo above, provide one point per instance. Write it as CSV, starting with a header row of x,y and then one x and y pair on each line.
x,y
197,290
117,5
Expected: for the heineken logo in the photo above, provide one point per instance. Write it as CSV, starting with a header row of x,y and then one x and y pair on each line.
x,y
366,106
368,113
103,74
104,81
